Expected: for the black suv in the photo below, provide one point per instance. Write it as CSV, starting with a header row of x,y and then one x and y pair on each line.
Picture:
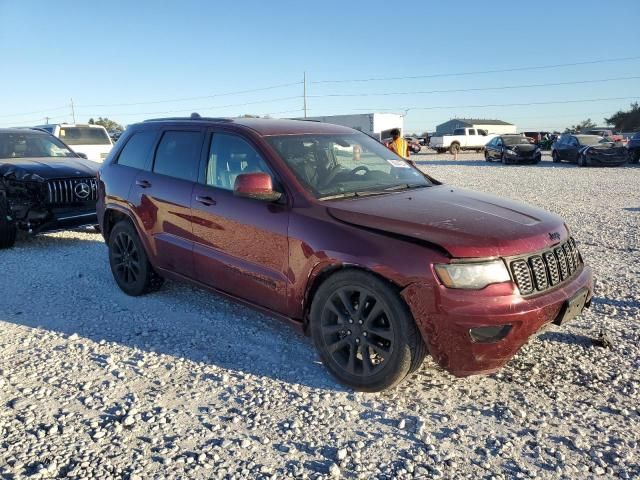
x,y
44,185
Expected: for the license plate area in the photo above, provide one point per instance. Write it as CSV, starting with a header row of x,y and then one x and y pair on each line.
x,y
572,307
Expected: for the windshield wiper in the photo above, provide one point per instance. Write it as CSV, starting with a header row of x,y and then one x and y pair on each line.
x,y
405,186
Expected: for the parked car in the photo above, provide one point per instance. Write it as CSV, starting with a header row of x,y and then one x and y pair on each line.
x,y
44,185
512,149
424,141
633,148
587,149
323,226
92,141
462,139
606,133
414,144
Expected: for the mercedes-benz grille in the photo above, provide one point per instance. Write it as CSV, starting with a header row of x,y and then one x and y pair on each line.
x,y
72,190
544,270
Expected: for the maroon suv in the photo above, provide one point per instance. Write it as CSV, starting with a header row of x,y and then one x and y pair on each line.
x,y
323,226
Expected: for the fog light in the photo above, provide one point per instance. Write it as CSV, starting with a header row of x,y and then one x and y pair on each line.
x,y
489,334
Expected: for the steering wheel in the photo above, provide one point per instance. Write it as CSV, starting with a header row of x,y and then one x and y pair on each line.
x,y
364,168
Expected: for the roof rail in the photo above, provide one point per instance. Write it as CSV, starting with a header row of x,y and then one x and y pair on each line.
x,y
193,117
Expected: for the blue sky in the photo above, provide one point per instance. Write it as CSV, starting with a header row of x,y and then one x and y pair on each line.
x,y
124,52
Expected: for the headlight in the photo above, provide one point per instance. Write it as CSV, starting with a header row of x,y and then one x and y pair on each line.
x,y
472,275
510,152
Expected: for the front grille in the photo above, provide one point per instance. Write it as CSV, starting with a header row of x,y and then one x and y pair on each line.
x,y
72,190
539,272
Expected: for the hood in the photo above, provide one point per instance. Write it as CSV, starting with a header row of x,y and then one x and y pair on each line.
x,y
611,148
463,222
47,168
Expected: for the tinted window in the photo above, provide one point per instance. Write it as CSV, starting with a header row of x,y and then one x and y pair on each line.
x,y
136,152
472,131
230,156
458,131
84,136
178,155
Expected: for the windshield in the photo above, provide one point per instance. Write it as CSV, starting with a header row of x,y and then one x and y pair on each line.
x,y
31,144
516,140
341,165
589,139
84,136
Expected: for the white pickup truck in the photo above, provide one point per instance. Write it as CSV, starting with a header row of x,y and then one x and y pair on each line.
x,y
462,139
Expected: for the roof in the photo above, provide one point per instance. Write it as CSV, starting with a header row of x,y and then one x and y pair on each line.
x,y
481,121
23,130
265,126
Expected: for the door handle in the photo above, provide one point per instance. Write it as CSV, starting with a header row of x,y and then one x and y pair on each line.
x,y
205,200
143,183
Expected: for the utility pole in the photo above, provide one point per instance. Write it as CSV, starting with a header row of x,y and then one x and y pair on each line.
x,y
304,93
46,120
73,112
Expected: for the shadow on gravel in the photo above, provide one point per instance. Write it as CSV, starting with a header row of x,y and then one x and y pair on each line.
x,y
482,163
72,292
568,338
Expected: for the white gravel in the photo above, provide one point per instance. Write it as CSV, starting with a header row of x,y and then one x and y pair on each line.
x,y
94,384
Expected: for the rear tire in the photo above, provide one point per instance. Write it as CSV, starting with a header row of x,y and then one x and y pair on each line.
x,y
129,262
8,229
454,148
634,157
364,332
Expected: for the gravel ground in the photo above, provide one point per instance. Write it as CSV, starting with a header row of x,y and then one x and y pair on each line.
x,y
94,384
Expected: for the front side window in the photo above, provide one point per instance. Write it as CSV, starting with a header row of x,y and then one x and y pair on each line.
x,y
230,156
136,152
178,155
84,136
345,165
30,145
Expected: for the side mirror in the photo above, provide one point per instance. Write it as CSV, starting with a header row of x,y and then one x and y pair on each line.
x,y
256,185
82,155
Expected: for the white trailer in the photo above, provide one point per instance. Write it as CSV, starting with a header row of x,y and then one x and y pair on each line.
x,y
377,125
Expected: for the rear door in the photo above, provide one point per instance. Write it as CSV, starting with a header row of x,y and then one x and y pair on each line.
x,y
162,198
240,244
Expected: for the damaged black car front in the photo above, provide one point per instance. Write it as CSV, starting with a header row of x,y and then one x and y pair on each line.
x,y
600,151
44,185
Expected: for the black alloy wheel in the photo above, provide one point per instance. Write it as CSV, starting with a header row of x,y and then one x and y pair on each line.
x,y
129,263
364,332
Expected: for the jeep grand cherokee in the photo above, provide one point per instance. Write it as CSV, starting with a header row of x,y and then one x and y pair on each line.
x,y
325,227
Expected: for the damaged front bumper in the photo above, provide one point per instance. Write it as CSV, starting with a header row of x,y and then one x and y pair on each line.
x,y
477,331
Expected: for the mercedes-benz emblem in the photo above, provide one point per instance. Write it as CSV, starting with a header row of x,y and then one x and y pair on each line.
x,y
82,190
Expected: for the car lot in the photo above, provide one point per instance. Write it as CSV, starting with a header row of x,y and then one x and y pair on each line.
x,y
182,383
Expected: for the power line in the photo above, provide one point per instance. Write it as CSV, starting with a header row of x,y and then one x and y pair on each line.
x,y
504,87
33,113
184,99
282,99
480,72
586,100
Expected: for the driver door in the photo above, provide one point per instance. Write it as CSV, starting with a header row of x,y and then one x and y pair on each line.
x,y
241,244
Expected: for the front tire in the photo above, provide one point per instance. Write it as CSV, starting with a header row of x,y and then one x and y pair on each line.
x,y
555,157
487,158
129,262
8,229
364,332
582,161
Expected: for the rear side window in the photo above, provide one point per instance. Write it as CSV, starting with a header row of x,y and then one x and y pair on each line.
x,y
458,131
178,155
136,152
84,136
472,131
